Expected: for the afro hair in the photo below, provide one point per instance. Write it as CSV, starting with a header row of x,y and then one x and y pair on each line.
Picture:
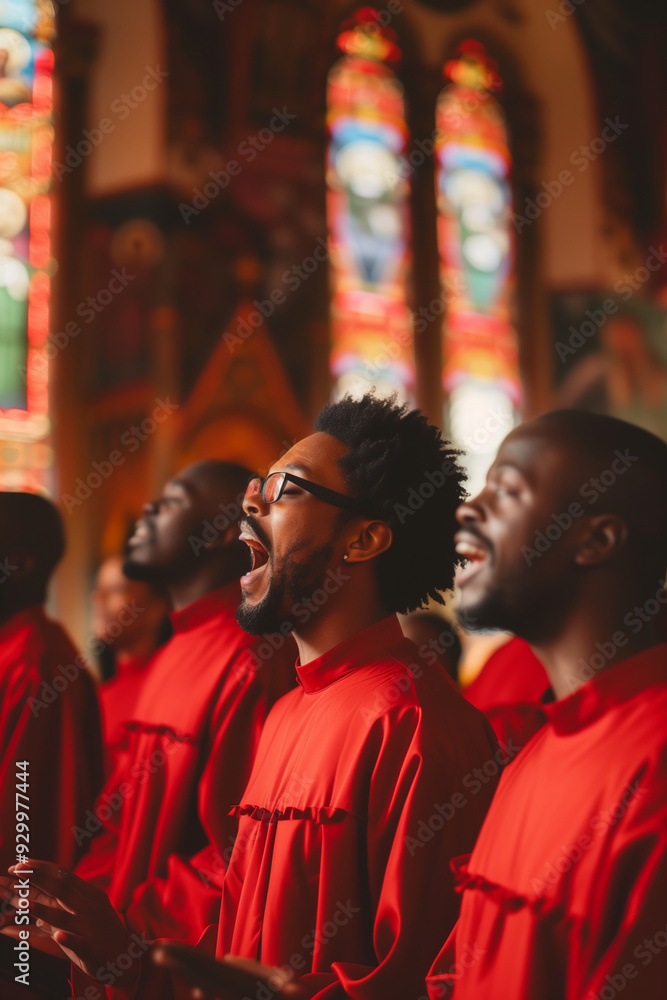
x,y
402,471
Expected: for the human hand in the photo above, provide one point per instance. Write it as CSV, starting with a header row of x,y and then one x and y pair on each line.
x,y
77,916
228,979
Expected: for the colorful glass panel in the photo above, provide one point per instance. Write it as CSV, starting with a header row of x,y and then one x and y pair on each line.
x,y
367,208
26,139
480,375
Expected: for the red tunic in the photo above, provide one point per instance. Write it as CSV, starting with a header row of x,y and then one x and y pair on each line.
x,y
166,832
509,690
369,777
362,791
48,717
118,697
565,894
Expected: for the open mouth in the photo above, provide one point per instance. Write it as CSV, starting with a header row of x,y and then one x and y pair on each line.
x,y
260,557
475,553
142,533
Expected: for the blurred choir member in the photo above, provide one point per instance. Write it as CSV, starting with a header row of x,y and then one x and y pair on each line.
x,y
166,832
564,893
511,689
161,831
435,638
50,746
129,618
358,796
49,716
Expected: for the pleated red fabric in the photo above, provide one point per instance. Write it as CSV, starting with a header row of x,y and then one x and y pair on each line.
x,y
369,777
565,894
165,833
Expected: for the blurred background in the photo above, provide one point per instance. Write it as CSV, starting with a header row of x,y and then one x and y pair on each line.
x,y
217,214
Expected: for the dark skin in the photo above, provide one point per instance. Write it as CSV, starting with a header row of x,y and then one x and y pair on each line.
x,y
113,591
160,549
227,979
63,906
562,603
574,594
298,525
66,907
300,522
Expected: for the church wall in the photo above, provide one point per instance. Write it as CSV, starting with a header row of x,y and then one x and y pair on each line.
x,y
272,215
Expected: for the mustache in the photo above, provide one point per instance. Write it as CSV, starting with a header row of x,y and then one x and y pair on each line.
x,y
257,530
472,529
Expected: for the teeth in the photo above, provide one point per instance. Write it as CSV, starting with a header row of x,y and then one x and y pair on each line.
x,y
470,551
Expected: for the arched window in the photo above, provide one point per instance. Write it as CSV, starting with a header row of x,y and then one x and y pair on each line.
x,y
368,216
480,376
26,138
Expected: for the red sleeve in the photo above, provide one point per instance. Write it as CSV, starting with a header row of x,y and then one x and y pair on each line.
x,y
180,905
626,949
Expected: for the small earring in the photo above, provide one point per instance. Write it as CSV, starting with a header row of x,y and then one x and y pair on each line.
x,y
345,557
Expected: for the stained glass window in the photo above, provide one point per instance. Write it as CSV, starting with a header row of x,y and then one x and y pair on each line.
x,y
26,138
367,208
480,375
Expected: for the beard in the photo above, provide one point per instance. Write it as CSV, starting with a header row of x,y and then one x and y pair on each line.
x,y
531,609
144,572
294,583
488,615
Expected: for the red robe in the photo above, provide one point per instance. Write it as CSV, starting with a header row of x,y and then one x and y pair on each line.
x,y
565,894
118,696
369,777
509,690
166,833
48,717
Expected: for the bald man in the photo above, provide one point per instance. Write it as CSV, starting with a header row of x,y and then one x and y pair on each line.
x,y
161,834
565,893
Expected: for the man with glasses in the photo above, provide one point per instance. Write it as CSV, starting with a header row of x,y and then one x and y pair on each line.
x,y
374,771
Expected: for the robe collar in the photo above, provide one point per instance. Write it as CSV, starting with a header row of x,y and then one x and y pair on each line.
x,y
29,616
349,655
223,601
610,688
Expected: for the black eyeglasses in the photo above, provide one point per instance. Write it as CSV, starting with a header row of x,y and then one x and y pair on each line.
x,y
273,487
